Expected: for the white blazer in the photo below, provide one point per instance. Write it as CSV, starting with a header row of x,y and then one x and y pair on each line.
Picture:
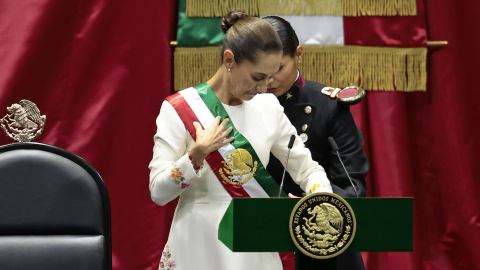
x,y
193,240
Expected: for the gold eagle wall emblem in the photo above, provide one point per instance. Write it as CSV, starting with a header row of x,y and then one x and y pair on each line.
x,y
23,123
239,167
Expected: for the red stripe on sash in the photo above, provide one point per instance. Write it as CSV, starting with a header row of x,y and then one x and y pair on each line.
x,y
214,159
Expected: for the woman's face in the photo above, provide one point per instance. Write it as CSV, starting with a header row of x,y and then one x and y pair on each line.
x,y
286,75
248,79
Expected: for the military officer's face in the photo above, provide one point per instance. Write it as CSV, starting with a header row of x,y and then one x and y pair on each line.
x,y
286,75
248,79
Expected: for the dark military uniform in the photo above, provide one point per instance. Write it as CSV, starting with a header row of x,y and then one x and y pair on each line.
x,y
316,117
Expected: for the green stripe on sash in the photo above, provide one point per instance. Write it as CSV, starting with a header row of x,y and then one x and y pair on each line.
x,y
262,176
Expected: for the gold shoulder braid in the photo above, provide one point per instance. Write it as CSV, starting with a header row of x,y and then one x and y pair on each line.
x,y
349,95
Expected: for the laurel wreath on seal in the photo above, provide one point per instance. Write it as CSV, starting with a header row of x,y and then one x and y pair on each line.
x,y
323,251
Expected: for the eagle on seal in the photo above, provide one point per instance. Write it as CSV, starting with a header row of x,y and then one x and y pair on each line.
x,y
26,115
326,216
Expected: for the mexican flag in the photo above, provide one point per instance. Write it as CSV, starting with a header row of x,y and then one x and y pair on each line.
x,y
375,44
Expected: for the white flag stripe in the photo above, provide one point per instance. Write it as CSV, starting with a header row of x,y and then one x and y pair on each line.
x,y
252,187
317,30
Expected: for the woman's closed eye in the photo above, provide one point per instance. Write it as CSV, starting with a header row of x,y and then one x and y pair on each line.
x,y
258,79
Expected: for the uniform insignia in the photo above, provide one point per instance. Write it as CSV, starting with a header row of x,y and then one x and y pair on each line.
x,y
289,95
349,95
322,225
24,122
239,167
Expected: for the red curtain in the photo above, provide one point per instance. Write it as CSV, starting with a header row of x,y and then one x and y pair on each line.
x,y
99,70
424,144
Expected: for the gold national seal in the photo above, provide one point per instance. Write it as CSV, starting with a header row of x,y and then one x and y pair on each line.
x,y
322,225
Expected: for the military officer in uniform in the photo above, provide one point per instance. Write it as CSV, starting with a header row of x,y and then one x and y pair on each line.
x,y
317,116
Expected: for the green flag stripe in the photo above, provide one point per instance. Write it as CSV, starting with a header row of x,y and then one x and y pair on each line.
x,y
262,176
197,32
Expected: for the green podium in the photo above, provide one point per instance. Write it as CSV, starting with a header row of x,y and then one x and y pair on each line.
x,y
262,225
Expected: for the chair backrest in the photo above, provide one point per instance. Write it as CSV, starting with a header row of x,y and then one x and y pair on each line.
x,y
54,210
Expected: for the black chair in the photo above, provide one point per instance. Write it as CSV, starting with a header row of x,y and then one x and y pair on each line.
x,y
54,210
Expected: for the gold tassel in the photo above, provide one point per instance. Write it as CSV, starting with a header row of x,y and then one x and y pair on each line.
x,y
353,8
379,8
194,65
372,68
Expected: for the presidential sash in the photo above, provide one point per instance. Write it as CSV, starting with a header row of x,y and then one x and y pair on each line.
x,y
236,165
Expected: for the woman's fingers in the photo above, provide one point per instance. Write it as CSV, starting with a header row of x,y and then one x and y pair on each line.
x,y
224,123
227,141
216,134
216,121
197,126
290,195
226,132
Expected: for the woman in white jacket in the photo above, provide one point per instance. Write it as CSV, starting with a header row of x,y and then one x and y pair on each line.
x,y
213,143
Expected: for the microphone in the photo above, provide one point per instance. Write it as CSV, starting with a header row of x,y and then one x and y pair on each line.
x,y
292,140
334,146
290,145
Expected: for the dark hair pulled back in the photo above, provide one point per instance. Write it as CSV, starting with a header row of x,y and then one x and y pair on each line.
x,y
248,36
286,33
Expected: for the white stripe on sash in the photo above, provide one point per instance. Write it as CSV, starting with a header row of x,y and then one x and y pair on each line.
x,y
252,187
